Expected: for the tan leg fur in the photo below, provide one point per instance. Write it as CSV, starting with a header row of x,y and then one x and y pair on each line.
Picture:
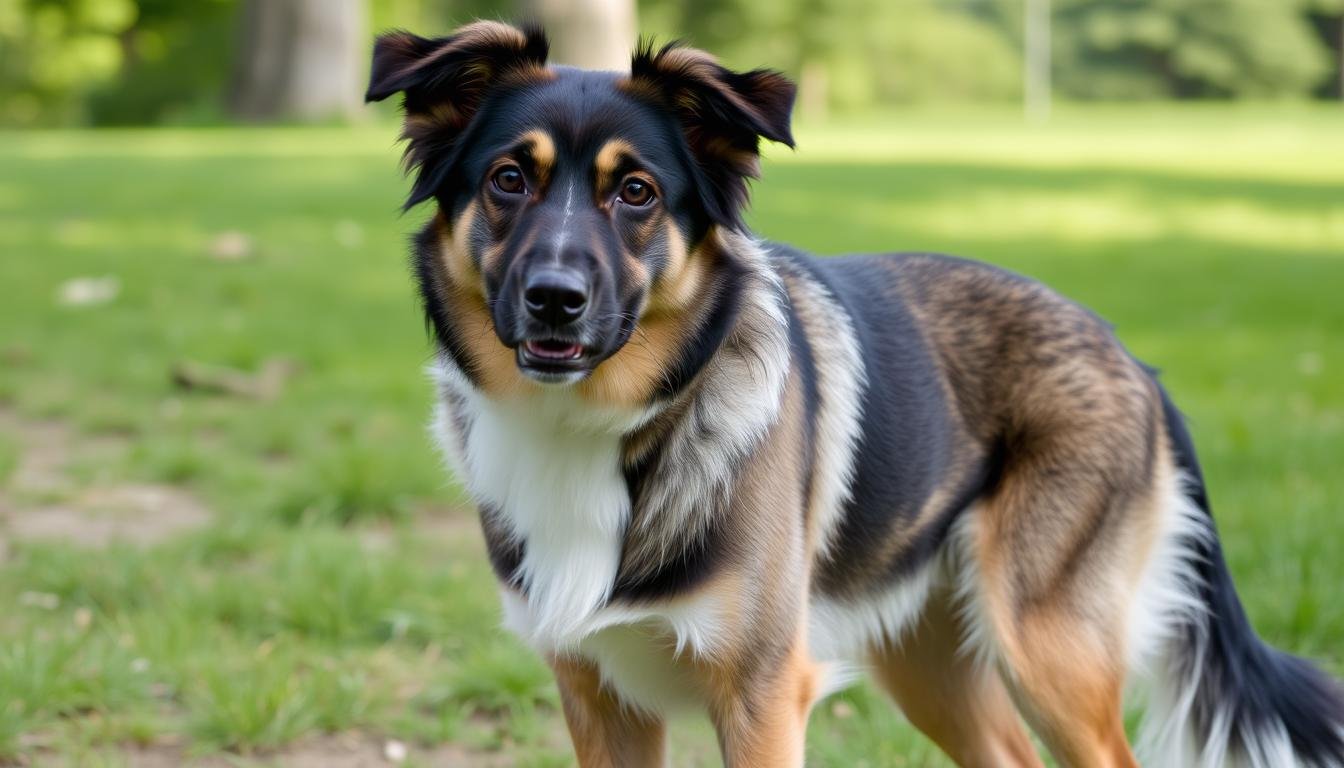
x,y
962,706
606,733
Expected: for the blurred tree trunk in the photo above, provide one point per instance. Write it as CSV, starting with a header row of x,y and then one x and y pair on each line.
x,y
1036,61
595,34
299,59
814,91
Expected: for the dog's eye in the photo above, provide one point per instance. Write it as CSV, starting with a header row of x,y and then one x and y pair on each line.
x,y
509,180
637,193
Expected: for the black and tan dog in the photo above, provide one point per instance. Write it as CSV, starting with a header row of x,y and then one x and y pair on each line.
x,y
711,469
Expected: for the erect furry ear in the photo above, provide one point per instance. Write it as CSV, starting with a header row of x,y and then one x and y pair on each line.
x,y
724,114
445,80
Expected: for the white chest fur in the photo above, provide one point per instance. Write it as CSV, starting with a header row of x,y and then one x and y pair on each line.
x,y
551,470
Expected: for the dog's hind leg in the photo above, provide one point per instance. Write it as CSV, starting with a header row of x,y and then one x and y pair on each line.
x,y
1070,689
607,733
960,704
1050,566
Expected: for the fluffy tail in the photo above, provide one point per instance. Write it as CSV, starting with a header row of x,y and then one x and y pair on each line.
x,y
1224,697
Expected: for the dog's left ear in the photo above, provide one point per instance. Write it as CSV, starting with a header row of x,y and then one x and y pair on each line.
x,y
723,114
445,80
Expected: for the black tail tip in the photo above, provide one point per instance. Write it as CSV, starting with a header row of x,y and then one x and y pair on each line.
x,y
1271,708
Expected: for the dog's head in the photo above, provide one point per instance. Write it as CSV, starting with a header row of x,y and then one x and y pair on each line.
x,y
574,205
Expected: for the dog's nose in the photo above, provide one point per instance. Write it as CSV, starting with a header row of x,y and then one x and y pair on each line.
x,y
556,297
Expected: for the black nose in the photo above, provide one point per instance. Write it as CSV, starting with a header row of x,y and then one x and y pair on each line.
x,y
556,297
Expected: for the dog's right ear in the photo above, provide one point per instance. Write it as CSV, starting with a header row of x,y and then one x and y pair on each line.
x,y
723,114
444,81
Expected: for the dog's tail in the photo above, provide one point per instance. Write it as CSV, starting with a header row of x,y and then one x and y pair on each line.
x,y
1221,696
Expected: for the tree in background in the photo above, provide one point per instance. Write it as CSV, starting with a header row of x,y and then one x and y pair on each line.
x,y
433,18
851,54
1327,17
596,34
300,59
173,65
1135,49
156,61
54,53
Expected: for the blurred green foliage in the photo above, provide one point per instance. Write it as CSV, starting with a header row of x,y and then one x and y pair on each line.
x,y
112,61
1137,49
169,61
860,52
52,52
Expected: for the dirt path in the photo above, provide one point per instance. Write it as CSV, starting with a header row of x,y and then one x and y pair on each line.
x,y
344,750
42,500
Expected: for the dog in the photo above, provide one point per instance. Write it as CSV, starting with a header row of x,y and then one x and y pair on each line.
x,y
716,473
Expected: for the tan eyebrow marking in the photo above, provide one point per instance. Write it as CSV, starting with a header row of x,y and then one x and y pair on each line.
x,y
541,148
608,160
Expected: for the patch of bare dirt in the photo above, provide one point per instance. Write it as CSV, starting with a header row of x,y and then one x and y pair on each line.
x,y
41,500
451,525
43,454
141,514
343,750
264,384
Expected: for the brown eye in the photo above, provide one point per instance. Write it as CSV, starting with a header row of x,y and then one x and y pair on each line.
x,y
509,180
637,193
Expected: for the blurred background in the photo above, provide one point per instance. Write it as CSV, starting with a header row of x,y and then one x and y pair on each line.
x,y
224,536
153,62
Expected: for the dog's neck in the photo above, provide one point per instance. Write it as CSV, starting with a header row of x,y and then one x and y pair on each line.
x,y
599,496
681,464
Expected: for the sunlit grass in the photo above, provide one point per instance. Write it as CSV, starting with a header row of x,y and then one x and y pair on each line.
x,y
323,598
1119,215
1244,141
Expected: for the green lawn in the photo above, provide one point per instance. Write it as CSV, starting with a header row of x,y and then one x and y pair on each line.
x,y
188,572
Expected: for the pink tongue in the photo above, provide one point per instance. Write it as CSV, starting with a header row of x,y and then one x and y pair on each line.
x,y
553,352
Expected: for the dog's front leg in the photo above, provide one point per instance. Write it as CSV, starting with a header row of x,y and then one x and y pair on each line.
x,y
607,732
761,717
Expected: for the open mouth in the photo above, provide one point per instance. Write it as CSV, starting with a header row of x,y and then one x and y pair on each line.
x,y
553,361
553,350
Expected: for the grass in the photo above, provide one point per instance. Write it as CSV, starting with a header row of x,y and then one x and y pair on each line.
x,y
334,594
